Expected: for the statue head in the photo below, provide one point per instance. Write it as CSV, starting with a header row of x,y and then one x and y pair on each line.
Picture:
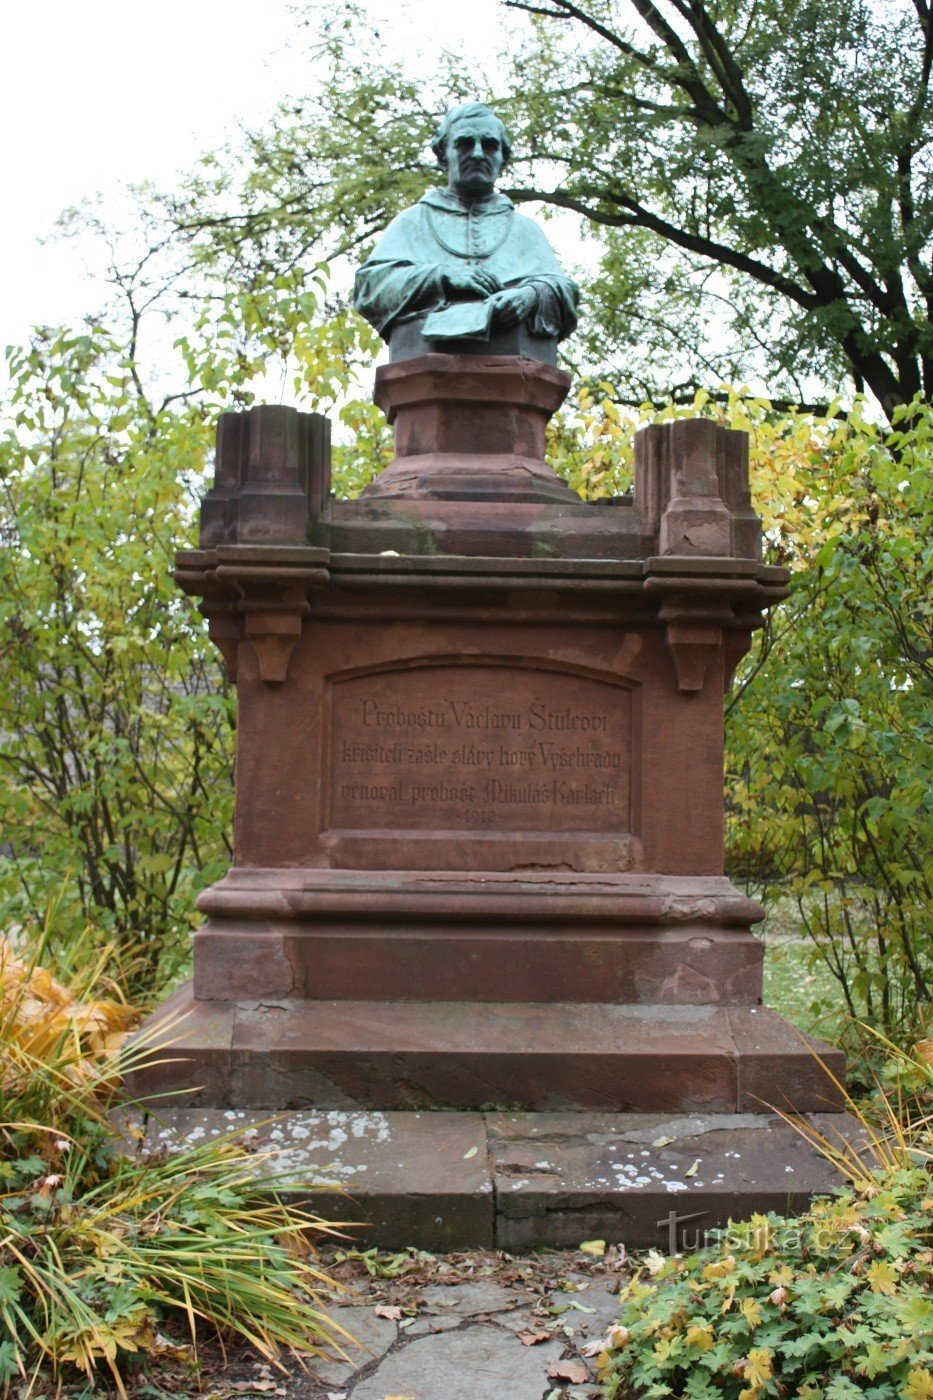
x,y
472,146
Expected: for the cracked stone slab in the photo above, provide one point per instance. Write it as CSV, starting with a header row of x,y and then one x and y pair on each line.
x,y
563,1178
475,1362
453,1180
410,1178
374,1336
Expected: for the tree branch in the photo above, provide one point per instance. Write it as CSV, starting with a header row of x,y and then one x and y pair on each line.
x,y
694,243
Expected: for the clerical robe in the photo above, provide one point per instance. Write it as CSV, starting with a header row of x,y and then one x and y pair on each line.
x,y
404,277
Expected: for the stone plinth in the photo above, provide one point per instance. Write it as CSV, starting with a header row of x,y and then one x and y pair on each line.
x,y
479,811
470,429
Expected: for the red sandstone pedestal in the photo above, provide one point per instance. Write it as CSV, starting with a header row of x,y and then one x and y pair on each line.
x,y
479,817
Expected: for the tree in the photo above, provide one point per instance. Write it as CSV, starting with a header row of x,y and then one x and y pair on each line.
x,y
116,722
757,176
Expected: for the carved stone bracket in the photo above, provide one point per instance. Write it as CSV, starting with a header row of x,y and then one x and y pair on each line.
x,y
710,606
692,646
273,619
225,629
257,594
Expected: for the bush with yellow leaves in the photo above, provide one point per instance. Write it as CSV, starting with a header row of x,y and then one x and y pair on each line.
x,y
830,1304
98,1247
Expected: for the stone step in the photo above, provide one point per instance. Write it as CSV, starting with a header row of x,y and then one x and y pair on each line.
x,y
469,1055
514,1181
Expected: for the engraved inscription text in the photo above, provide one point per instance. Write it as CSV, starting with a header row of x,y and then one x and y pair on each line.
x,y
457,747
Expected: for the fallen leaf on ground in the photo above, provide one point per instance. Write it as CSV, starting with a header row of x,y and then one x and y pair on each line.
x,y
592,1348
573,1371
692,1171
472,1153
390,1313
662,1141
531,1339
595,1248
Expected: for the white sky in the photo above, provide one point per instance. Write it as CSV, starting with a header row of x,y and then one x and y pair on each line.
x,y
109,92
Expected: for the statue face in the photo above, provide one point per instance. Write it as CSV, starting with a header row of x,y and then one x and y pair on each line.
x,y
473,156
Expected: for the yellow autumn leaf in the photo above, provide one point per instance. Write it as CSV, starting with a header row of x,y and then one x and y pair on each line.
x,y
594,1248
44,1021
750,1311
602,1364
758,1367
882,1278
700,1335
722,1268
919,1384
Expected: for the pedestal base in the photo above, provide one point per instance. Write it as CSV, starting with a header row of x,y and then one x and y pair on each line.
x,y
486,935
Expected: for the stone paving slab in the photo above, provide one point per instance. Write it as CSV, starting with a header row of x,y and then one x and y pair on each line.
x,y
499,1337
443,1181
646,1179
473,1363
410,1178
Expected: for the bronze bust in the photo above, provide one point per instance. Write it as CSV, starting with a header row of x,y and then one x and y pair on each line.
x,y
462,271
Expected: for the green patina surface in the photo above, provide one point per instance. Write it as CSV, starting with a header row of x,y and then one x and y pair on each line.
x,y
463,257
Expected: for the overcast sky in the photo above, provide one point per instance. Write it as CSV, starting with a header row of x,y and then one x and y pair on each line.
x,y
106,92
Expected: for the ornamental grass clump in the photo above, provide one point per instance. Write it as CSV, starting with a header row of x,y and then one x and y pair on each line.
x,y
99,1248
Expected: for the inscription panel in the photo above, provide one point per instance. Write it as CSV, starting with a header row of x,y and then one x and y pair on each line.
x,y
479,747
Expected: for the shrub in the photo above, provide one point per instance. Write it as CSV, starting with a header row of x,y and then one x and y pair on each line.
x,y
829,725
830,1304
115,721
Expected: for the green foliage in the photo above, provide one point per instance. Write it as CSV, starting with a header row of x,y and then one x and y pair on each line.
x,y
833,1303
98,1258
755,178
115,719
829,722
829,728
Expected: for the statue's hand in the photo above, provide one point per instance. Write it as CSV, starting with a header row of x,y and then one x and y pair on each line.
x,y
514,305
475,281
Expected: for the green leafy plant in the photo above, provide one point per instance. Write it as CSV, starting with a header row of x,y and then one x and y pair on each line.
x,y
832,1303
829,724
